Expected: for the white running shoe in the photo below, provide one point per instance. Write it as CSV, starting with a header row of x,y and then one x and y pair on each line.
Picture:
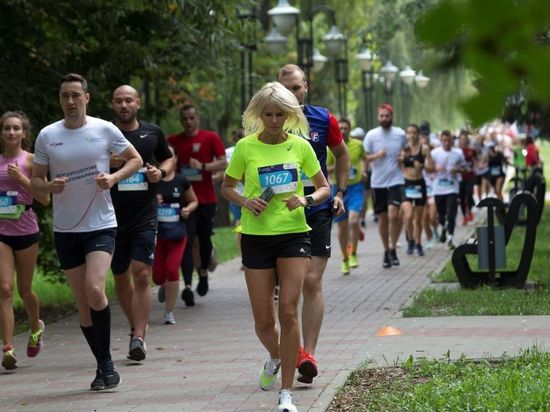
x,y
268,375
169,318
285,402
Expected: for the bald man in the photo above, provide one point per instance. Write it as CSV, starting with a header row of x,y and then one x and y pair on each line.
x,y
134,200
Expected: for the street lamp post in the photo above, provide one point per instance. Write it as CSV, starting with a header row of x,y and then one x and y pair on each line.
x,y
246,49
407,78
389,71
366,60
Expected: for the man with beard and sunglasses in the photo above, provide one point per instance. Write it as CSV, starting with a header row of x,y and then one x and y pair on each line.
x,y
383,146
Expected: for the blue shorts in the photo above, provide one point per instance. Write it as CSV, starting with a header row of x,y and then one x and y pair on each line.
x,y
353,200
235,212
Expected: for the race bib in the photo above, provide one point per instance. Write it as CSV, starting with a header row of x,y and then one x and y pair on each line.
x,y
413,192
283,178
306,180
495,170
192,174
352,173
445,183
8,202
168,212
136,182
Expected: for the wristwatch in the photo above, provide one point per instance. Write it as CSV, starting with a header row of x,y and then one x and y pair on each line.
x,y
309,200
341,190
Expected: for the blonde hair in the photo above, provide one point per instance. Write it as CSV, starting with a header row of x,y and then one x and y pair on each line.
x,y
281,97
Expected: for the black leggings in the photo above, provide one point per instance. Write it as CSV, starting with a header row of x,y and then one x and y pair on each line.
x,y
466,196
447,206
199,224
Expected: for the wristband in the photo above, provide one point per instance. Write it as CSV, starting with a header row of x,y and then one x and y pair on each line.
x,y
341,190
203,167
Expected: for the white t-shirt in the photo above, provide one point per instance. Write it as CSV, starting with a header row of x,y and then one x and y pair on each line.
x,y
80,154
386,171
446,182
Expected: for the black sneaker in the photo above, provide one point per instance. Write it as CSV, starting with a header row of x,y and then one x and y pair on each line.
x,y
97,384
137,349
188,297
202,287
443,236
161,294
111,378
393,257
419,250
410,247
387,260
450,244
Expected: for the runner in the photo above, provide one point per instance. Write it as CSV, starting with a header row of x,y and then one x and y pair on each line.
x,y
383,146
416,158
275,239
135,207
323,133
466,191
449,164
76,151
200,154
177,201
19,234
348,223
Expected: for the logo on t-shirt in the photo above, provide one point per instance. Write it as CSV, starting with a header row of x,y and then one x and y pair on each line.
x,y
196,147
314,136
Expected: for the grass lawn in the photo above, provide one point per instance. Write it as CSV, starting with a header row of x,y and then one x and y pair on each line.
x,y
508,384
56,299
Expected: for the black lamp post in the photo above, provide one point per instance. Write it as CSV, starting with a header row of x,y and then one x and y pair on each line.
x,y
246,50
366,59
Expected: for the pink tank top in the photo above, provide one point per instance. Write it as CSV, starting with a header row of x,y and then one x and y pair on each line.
x,y
26,224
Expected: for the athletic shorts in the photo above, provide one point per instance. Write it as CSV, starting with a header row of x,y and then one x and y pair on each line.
x,y
321,224
493,179
383,197
20,242
138,246
73,247
262,252
414,191
353,200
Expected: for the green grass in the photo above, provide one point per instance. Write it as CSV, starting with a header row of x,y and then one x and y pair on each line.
x,y
517,384
56,299
534,300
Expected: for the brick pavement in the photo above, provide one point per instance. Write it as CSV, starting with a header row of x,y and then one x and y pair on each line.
x,y
210,359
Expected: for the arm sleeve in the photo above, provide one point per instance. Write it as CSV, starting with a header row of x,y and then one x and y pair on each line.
x,y
40,154
334,133
236,166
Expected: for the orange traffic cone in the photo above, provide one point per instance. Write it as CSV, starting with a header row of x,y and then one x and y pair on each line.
x,y
389,331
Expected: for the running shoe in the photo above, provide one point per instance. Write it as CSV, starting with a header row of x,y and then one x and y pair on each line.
x,y
419,250
394,259
353,262
202,287
429,244
285,402
443,236
363,223
345,267
9,361
35,340
307,367
161,294
387,260
97,384
436,235
111,378
361,235
169,318
267,378
213,261
188,297
450,244
138,349
410,247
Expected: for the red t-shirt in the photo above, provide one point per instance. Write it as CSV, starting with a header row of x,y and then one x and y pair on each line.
x,y
532,158
205,146
469,156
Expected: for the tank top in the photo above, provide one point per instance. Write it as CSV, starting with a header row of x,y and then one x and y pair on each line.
x,y
409,160
26,224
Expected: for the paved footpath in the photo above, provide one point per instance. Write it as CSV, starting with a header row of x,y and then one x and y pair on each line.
x,y
209,361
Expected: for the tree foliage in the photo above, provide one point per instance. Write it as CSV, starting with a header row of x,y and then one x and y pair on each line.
x,y
504,42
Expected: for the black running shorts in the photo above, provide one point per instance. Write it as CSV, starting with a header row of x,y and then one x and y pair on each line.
x,y
262,252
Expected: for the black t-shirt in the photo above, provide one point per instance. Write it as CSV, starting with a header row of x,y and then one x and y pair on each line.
x,y
172,191
134,198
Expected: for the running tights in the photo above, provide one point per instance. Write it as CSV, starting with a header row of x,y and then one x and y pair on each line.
x,y
168,254
447,206
466,196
